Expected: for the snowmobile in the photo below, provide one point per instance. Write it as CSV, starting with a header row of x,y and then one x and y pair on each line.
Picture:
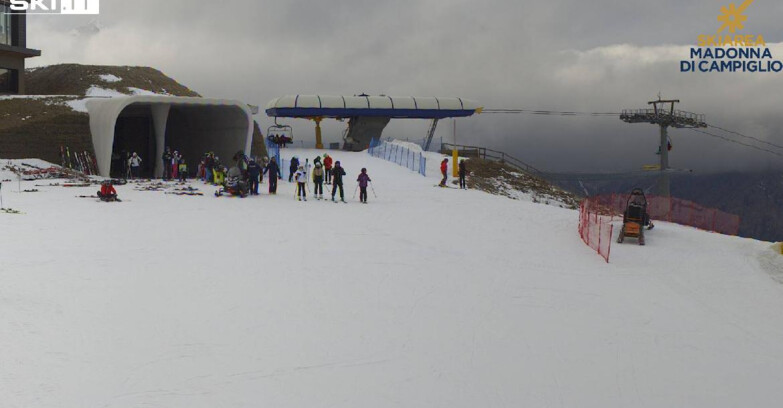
x,y
635,217
233,186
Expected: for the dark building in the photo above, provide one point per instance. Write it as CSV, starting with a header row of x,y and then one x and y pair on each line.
x,y
13,49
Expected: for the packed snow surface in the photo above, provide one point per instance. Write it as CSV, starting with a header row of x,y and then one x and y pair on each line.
x,y
425,297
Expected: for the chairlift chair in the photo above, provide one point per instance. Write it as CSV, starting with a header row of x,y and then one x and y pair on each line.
x,y
280,130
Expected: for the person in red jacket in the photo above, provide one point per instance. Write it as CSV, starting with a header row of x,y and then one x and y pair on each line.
x,y
444,169
107,193
328,167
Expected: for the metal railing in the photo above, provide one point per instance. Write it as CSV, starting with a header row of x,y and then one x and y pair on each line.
x,y
490,154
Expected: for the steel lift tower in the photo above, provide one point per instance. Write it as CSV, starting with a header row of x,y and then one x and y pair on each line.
x,y
664,115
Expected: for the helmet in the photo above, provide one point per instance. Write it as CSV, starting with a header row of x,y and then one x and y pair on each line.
x,y
364,170
337,162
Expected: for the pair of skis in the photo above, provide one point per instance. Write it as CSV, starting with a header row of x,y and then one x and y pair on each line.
x,y
100,199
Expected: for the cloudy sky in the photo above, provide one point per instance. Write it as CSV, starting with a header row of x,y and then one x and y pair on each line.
x,y
567,55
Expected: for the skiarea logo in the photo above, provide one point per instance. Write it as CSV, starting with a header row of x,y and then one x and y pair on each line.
x,y
730,51
70,7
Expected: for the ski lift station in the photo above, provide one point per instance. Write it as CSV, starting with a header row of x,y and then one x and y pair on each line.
x,y
146,124
368,115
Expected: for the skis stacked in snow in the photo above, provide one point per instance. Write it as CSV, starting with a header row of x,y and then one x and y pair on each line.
x,y
80,161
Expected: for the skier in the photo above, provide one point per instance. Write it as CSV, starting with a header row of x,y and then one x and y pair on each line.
x,y
174,164
220,174
292,168
135,165
363,180
182,170
263,164
301,183
337,181
274,175
209,164
253,172
328,167
318,181
166,160
201,167
444,167
462,173
217,171
107,192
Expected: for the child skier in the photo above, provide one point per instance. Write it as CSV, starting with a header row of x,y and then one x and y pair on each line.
x,y
107,192
301,183
220,175
318,181
363,180
182,170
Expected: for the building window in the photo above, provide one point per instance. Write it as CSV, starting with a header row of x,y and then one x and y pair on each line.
x,y
6,36
9,83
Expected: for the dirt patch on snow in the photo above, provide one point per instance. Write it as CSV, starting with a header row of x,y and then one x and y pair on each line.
x,y
501,179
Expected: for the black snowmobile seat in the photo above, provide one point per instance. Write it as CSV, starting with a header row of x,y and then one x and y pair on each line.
x,y
634,212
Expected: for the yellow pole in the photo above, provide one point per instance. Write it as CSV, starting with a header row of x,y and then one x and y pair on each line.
x,y
318,141
455,165
455,154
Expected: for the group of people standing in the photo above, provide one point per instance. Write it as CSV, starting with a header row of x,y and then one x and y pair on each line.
x,y
328,172
174,166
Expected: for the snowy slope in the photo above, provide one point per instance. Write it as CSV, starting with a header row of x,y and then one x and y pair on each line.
x,y
425,297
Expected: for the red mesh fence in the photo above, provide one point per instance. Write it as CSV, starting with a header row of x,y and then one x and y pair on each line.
x,y
595,227
678,211
597,213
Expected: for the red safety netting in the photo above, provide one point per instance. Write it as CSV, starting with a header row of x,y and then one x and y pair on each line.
x,y
597,213
595,227
678,211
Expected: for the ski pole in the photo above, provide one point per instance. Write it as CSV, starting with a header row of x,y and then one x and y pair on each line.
x,y
373,190
1,195
354,192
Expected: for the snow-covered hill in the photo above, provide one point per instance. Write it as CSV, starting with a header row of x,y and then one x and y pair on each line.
x,y
425,297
